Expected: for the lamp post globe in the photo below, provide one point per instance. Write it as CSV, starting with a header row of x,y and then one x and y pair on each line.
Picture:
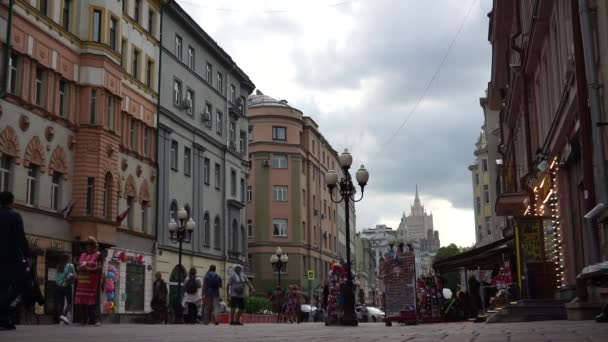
x,y
346,159
362,176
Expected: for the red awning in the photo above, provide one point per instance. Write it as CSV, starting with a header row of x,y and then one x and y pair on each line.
x,y
512,204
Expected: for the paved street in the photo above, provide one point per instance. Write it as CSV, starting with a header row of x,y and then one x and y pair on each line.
x,y
525,332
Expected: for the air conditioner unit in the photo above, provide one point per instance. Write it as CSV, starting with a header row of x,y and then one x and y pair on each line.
x,y
266,163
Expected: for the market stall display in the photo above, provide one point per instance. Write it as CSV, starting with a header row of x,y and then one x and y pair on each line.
x,y
430,299
335,299
398,277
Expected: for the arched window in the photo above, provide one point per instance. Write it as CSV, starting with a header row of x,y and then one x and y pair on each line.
x,y
244,240
173,211
206,230
235,236
217,234
107,196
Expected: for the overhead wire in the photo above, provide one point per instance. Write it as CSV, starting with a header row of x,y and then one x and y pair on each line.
x,y
435,75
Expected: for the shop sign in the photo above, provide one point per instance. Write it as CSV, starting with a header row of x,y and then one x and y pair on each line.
x,y
531,239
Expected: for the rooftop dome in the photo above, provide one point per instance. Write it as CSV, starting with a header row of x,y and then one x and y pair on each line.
x,y
266,101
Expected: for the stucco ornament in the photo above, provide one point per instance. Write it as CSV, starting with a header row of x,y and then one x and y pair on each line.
x,y
24,122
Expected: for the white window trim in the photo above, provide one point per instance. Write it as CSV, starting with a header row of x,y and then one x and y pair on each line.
x,y
282,227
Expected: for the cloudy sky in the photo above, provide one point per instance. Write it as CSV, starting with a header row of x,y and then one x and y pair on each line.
x,y
358,68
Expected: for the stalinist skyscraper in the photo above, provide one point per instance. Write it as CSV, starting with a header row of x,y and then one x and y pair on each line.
x,y
419,223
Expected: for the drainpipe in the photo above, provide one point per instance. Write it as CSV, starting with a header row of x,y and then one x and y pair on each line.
x,y
595,107
7,49
227,225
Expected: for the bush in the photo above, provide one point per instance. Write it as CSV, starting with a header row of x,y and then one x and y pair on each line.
x,y
257,305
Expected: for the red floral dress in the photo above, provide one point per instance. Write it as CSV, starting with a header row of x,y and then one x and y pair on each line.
x,y
87,281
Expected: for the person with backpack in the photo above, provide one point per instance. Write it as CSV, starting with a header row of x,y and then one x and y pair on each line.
x,y
211,290
66,274
192,296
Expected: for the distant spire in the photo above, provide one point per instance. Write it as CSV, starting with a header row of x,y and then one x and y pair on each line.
x,y
417,199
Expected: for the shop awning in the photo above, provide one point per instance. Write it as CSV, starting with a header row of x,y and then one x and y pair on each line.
x,y
483,257
512,204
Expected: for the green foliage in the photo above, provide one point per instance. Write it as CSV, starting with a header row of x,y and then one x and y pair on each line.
x,y
447,252
257,305
452,278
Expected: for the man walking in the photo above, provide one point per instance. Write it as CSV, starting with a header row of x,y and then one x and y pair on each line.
x,y
236,289
211,290
14,249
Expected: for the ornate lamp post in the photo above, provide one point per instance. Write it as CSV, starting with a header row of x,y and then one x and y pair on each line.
x,y
347,194
181,231
278,260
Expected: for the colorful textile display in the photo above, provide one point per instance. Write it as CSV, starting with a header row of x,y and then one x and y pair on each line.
x,y
335,300
111,278
430,298
398,276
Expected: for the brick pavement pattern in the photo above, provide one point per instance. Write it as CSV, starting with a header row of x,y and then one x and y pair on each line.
x,y
587,331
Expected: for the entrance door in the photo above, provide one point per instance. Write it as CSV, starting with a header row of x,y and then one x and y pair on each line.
x,y
135,284
51,262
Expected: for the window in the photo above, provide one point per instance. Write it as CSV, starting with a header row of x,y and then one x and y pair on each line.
x,y
32,180
279,227
189,101
107,197
220,123
206,171
149,73
178,47
131,208
144,216
63,100
206,230
489,226
233,93
250,134
233,183
242,143
67,9
279,133
44,7
113,32
147,142
55,191
135,64
97,26
39,86
14,67
134,283
123,52
124,5
137,11
279,161
217,234
187,164
477,179
243,190
220,82
303,197
249,194
93,109
173,211
279,193
232,132
209,75
486,193
90,193
191,57
235,236
478,205
243,241
177,92
110,112
134,135
151,17
174,152
218,176
5,173
484,165
207,117
249,229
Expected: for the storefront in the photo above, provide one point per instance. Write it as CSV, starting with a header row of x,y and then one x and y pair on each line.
x,y
132,283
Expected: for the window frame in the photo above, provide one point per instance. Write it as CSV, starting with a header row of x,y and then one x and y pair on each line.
x,y
110,109
66,12
486,193
63,100
133,134
191,57
5,172
32,182
174,155
280,193
207,171
220,82
277,161
233,190
177,93
137,11
209,74
93,108
275,133
135,62
190,101
90,199
112,41
150,64
280,227
39,87
179,45
219,125
187,161
97,36
13,83
217,172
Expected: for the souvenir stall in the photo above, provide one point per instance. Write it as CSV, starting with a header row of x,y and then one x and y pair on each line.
x,y
398,279
335,300
430,299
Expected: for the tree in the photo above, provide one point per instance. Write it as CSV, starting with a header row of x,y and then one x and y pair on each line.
x,y
452,278
447,252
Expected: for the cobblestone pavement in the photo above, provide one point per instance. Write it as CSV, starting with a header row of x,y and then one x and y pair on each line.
x,y
588,331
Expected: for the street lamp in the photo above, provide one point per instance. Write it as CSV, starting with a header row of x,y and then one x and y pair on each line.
x,y
347,194
181,231
278,260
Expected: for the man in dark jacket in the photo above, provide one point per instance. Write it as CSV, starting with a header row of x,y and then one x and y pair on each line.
x,y
14,249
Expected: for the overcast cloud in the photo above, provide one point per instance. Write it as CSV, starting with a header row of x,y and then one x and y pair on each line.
x,y
358,68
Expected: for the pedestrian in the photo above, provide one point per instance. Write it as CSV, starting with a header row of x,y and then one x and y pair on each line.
x,y
14,251
192,296
293,304
236,289
87,282
159,299
325,295
277,300
66,275
211,290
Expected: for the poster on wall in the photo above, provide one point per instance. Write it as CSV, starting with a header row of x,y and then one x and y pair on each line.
x,y
531,239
